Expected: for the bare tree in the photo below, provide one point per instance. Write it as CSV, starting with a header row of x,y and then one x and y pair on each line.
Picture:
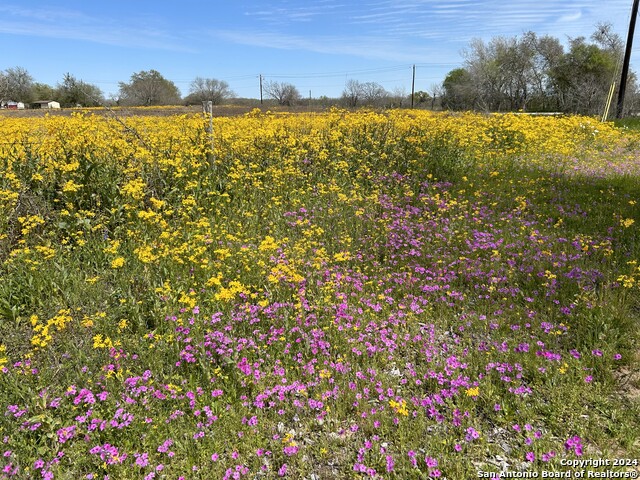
x,y
4,88
284,93
484,62
351,93
436,94
606,38
208,89
373,93
364,93
149,88
16,84
398,97
548,55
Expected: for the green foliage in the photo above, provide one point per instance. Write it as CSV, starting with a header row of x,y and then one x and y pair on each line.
x,y
42,91
458,90
536,74
72,93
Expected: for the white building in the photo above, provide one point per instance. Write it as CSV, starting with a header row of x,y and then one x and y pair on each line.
x,y
46,104
11,105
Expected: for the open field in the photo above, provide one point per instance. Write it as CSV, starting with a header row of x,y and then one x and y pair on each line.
x,y
331,295
227,110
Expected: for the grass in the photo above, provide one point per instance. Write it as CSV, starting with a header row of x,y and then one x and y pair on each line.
x,y
630,123
336,295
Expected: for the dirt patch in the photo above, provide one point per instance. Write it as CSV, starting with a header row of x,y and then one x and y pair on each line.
x,y
628,378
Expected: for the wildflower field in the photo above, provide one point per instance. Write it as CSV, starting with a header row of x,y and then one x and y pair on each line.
x,y
333,295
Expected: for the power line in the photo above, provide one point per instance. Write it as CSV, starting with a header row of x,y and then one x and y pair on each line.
x,y
378,74
325,74
395,68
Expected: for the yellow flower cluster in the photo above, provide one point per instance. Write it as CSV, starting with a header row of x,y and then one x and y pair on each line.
x,y
42,332
632,279
3,359
399,407
100,341
229,293
473,392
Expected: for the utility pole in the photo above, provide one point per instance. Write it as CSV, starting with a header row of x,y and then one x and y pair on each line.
x,y
260,89
413,85
627,59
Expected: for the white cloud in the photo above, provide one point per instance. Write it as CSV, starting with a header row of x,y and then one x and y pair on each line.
x,y
73,25
571,17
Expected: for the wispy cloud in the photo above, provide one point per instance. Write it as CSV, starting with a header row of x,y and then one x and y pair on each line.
x,y
360,46
12,12
291,14
448,20
429,31
74,25
572,17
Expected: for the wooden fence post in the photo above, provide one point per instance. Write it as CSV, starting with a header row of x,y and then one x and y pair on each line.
x,y
207,110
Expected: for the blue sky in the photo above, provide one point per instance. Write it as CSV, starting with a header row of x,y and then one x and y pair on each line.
x,y
316,45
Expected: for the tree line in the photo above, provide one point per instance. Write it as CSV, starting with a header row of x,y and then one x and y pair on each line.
x,y
145,88
150,88
537,73
355,94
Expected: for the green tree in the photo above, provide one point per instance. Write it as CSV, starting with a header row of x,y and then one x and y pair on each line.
x,y
42,91
421,97
72,93
459,91
535,73
149,88
583,77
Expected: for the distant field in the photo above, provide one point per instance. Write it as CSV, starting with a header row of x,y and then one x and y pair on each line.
x,y
394,294
218,110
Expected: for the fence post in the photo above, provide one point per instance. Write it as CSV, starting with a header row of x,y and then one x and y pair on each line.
x,y
207,110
